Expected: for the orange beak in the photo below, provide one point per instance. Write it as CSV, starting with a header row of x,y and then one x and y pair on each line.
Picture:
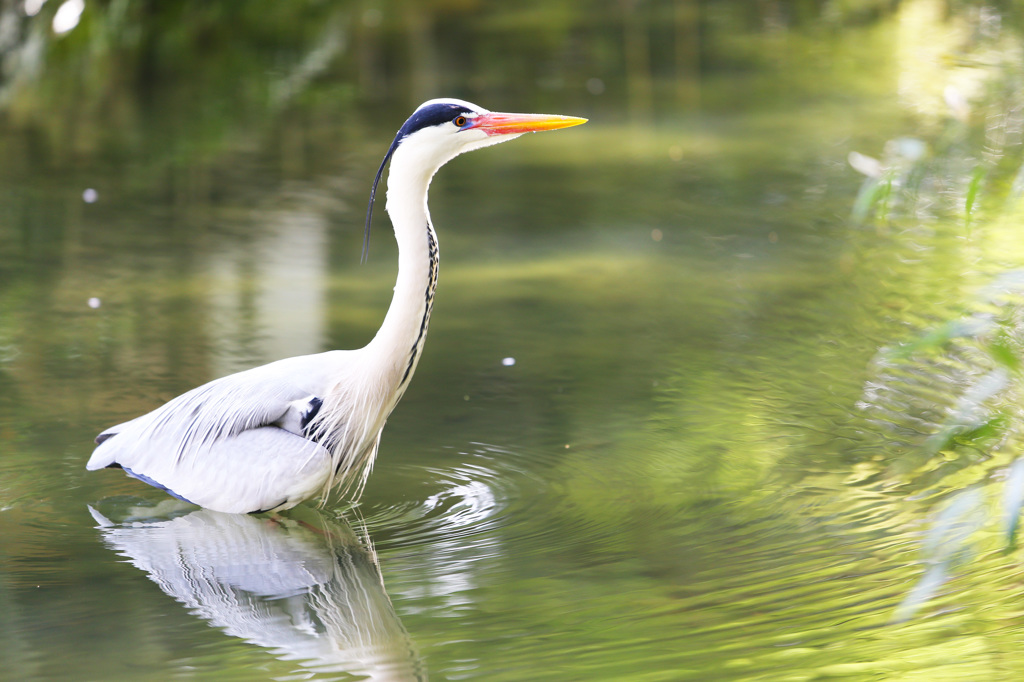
x,y
496,123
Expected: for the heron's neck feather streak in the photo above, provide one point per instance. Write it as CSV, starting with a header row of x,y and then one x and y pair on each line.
x,y
395,349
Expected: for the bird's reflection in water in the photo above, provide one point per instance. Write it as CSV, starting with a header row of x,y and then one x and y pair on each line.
x,y
307,590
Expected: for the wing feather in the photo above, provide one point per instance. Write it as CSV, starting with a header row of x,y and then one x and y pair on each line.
x,y
233,444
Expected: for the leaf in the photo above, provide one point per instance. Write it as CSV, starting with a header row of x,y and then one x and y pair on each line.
x,y
946,545
938,338
872,198
970,419
973,187
1003,352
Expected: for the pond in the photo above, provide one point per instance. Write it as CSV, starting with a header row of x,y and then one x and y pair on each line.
x,y
720,386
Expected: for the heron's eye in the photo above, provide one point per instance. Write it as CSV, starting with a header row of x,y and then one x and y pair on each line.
x,y
459,121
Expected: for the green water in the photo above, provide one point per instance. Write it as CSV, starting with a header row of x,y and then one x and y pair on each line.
x,y
653,436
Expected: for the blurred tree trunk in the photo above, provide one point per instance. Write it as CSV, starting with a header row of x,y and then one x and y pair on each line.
x,y
687,21
637,54
422,54
366,46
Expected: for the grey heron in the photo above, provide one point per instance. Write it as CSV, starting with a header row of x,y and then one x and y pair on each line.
x,y
267,438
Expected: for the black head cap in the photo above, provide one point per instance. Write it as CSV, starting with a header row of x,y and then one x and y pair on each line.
x,y
432,113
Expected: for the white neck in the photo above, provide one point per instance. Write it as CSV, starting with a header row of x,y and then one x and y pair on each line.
x,y
395,350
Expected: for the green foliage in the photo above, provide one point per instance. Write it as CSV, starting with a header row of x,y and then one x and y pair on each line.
x,y
973,187
969,164
874,197
960,381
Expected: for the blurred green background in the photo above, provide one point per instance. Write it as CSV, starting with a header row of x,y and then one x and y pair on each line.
x,y
764,309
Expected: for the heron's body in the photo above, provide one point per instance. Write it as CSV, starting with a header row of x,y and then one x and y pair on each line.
x,y
273,436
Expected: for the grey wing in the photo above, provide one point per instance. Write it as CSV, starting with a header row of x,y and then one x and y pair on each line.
x,y
235,444
261,469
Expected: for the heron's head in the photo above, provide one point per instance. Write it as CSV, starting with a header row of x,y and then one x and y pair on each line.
x,y
441,129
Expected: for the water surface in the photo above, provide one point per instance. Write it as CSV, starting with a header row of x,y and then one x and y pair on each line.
x,y
700,465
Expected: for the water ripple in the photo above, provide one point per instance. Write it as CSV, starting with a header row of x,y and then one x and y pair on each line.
x,y
487,492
